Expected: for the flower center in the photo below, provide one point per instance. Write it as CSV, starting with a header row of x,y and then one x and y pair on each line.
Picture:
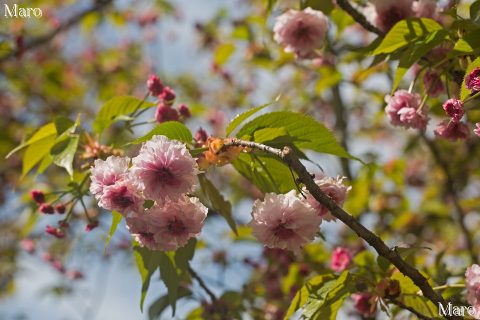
x,y
121,199
176,226
283,232
165,175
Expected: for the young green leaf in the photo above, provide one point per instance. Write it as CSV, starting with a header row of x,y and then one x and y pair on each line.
x,y
63,152
46,131
171,279
147,263
116,218
171,129
244,116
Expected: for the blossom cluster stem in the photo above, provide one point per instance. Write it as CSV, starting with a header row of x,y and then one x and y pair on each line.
x,y
358,17
287,155
202,284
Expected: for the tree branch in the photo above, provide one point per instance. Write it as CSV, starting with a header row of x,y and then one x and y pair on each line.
x,y
202,284
41,40
450,187
288,156
358,17
404,306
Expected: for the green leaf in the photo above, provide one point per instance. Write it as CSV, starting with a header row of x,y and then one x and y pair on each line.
x,y
326,6
306,131
265,172
223,53
330,299
405,32
269,134
113,110
158,306
409,293
62,124
184,254
46,131
35,152
244,116
63,152
464,91
171,129
308,289
170,278
415,52
147,263
116,218
468,44
216,201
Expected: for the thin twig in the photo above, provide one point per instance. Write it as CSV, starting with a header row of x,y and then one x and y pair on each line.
x,y
41,40
450,187
358,17
404,306
202,284
288,156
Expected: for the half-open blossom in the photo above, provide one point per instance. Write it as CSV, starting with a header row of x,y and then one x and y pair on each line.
x,y
284,221
301,32
388,13
154,85
123,197
164,169
472,283
169,226
364,304
454,109
472,81
477,129
106,172
332,187
433,83
166,113
201,136
403,110
451,130
341,258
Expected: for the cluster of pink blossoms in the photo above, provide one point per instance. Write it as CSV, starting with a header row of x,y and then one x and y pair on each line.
x,y
163,172
472,283
404,109
301,32
287,221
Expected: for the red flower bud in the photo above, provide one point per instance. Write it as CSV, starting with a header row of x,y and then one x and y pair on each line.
x,y
184,111
74,275
168,95
37,196
56,232
166,113
58,265
60,208
46,209
155,85
201,136
28,245
63,224
92,225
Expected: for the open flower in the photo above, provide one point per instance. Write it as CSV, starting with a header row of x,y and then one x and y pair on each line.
x,y
341,258
472,283
332,187
301,32
403,110
454,109
169,226
451,130
123,196
472,81
284,221
164,169
107,172
388,13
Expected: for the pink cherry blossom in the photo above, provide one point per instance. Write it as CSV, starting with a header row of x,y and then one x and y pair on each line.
x,y
341,258
169,226
451,130
284,221
164,169
364,304
477,129
472,283
165,113
107,172
403,110
332,187
123,197
472,81
454,109
433,83
425,9
154,85
301,32
388,13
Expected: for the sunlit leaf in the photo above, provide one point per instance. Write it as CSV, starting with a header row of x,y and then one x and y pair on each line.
x,y
244,116
116,218
171,129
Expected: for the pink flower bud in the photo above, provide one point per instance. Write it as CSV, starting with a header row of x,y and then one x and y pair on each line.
x,y
28,245
201,136
168,95
364,304
184,111
63,224
166,113
60,208
91,225
46,209
47,256
341,258
56,232
155,85
454,109
37,196
74,274
58,265
477,129
472,81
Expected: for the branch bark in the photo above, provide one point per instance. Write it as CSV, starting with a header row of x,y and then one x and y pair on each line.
x,y
72,21
202,284
391,254
358,17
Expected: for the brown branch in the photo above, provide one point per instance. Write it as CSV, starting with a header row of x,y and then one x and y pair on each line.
x,y
202,284
404,306
41,40
358,17
391,254
450,187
